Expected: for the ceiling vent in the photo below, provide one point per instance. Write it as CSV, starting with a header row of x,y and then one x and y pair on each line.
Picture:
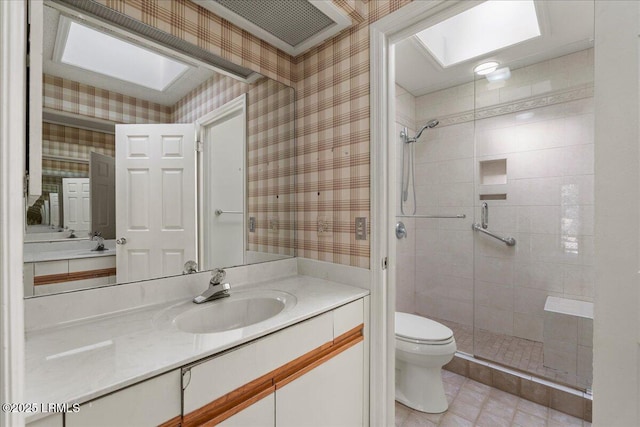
x,y
291,26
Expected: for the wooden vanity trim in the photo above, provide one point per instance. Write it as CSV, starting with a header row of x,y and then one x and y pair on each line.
x,y
318,359
239,407
235,401
173,422
69,277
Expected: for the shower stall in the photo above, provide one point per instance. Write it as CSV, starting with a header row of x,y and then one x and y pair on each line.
x,y
495,217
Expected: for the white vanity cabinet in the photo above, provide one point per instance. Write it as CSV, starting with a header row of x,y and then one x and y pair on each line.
x,y
328,395
150,403
332,392
311,373
45,277
54,420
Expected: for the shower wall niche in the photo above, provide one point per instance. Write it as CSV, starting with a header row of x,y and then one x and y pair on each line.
x,y
524,146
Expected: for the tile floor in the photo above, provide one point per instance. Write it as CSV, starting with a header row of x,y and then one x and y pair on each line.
x,y
474,404
519,353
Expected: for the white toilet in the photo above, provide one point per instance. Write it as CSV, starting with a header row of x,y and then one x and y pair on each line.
x,y
423,347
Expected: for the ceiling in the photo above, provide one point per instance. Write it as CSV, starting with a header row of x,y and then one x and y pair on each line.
x,y
291,26
176,91
567,26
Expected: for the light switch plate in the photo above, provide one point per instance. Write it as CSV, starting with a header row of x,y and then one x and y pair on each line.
x,y
252,224
323,225
273,224
361,228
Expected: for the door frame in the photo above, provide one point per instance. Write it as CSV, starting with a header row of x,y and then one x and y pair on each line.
x,y
12,204
229,108
383,34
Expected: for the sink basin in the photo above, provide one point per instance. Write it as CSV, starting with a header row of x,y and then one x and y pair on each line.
x,y
240,310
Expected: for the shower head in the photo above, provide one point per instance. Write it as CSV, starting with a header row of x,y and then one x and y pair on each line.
x,y
430,124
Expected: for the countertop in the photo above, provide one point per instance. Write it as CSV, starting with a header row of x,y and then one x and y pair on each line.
x,y
86,359
55,251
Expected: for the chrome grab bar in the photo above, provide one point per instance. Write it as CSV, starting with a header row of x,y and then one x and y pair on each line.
x,y
431,216
484,217
220,212
509,241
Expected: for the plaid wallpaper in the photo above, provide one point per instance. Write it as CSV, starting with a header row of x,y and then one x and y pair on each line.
x,y
332,138
210,95
66,141
197,25
77,98
271,166
332,119
270,153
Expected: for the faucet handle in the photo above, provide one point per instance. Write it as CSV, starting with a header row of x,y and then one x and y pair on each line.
x,y
190,267
217,276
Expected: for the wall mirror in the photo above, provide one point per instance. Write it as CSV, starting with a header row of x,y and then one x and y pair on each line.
x,y
147,165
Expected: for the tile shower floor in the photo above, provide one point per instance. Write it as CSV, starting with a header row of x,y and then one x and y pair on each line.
x,y
519,353
474,404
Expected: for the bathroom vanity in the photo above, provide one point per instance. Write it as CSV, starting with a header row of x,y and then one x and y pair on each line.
x,y
169,364
59,266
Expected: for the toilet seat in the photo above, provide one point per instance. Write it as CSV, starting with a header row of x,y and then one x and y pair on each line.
x,y
420,330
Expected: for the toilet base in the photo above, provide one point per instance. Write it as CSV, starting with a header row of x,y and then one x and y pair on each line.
x,y
420,388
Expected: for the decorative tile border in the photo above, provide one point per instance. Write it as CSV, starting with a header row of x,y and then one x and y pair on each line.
x,y
555,396
551,98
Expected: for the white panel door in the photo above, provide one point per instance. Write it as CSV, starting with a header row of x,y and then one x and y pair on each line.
x,y
54,203
224,153
102,172
76,203
156,206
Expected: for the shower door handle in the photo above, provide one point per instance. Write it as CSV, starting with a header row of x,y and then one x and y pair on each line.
x,y
484,215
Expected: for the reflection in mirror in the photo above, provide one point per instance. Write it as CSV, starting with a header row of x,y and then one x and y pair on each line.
x,y
243,170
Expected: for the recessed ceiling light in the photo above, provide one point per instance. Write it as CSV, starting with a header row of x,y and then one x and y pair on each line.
x,y
486,68
93,50
503,73
485,28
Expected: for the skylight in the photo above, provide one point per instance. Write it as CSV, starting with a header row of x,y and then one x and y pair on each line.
x,y
95,51
485,28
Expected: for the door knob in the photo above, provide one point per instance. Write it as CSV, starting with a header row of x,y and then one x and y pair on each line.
x,y
121,241
401,230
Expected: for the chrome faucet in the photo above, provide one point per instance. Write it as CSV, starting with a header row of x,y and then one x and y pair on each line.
x,y
97,236
216,289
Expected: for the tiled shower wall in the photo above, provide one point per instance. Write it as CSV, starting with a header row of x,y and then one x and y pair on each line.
x,y
541,122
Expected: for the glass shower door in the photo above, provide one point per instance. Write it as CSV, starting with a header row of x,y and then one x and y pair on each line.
x,y
534,183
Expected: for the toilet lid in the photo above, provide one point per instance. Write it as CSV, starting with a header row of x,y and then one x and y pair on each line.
x,y
420,328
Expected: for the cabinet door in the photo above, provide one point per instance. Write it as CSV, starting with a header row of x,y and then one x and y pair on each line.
x,y
50,421
260,414
150,403
329,395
